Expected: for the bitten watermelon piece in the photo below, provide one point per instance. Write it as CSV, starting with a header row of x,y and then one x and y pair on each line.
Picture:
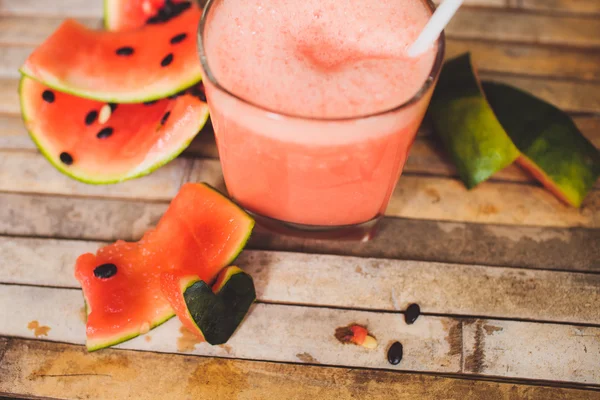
x,y
134,141
123,15
201,232
149,63
211,313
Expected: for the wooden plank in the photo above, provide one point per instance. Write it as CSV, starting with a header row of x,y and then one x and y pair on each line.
x,y
528,59
469,23
531,60
443,199
358,283
490,24
44,369
34,30
30,172
274,332
566,95
417,197
573,249
574,6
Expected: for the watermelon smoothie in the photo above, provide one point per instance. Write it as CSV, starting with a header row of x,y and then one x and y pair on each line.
x,y
315,103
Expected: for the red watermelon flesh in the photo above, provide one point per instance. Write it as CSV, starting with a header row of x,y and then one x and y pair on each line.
x,y
201,232
146,64
122,15
134,141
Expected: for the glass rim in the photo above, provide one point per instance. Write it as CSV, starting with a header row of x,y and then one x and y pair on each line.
x,y
429,81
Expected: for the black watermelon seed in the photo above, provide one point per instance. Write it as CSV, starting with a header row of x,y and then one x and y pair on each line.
x,y
91,117
66,158
165,117
149,103
125,51
48,96
112,106
412,313
178,38
395,353
167,60
105,271
105,133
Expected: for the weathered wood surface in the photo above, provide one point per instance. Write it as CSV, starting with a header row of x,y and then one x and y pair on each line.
x,y
517,246
374,284
508,278
55,370
273,332
420,197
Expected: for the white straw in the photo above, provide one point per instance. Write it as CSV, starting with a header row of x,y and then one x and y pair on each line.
x,y
440,18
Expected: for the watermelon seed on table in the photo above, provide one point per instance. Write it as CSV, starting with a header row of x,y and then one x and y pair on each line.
x,y
48,96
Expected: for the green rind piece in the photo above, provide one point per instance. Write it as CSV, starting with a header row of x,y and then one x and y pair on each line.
x,y
218,315
471,133
549,138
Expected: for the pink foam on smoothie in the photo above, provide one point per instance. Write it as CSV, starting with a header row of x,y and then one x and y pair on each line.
x,y
319,58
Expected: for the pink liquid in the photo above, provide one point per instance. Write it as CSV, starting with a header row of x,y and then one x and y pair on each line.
x,y
316,59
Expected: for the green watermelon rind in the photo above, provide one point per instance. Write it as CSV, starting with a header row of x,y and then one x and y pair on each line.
x,y
235,254
99,344
128,98
90,179
107,11
467,125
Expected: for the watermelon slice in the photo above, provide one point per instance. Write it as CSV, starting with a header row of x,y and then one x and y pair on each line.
x,y
126,15
201,232
135,140
212,314
150,63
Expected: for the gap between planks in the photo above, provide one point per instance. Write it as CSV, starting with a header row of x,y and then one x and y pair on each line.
x,y
371,284
417,197
281,333
44,369
572,249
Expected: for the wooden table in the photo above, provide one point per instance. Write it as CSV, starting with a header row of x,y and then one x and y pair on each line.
x,y
507,277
